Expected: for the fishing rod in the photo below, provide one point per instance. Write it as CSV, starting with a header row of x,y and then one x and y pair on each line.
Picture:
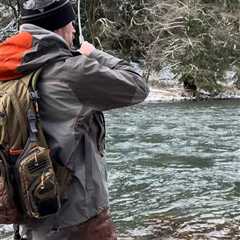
x,y
81,38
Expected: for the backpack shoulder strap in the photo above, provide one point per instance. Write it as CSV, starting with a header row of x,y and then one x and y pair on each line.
x,y
35,79
31,79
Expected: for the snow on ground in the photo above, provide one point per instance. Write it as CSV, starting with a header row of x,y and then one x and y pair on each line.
x,y
177,93
166,94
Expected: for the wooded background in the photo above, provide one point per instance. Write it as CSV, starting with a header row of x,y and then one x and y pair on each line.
x,y
198,40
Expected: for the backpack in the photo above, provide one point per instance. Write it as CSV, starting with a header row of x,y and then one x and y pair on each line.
x,y
31,183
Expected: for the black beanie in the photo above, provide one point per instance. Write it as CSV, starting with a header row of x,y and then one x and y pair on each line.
x,y
51,17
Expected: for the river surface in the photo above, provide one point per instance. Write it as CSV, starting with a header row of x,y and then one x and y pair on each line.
x,y
174,170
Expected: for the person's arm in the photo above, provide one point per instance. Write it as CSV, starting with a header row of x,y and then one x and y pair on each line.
x,y
101,80
103,58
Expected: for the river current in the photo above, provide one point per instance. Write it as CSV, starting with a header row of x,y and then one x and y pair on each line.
x,y
174,170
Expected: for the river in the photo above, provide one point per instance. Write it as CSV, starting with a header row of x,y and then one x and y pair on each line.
x,y
174,170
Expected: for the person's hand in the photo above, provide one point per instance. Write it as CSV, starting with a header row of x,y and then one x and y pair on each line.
x,y
86,49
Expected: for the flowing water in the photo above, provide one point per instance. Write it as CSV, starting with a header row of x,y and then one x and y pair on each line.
x,y
174,170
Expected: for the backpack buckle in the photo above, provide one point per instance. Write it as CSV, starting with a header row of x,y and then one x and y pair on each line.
x,y
34,95
32,122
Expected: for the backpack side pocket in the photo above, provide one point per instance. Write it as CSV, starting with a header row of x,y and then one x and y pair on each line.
x,y
39,190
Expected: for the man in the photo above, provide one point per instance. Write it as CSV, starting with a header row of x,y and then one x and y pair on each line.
x,y
74,88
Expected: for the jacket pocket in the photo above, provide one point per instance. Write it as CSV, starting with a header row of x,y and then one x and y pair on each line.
x,y
94,126
100,134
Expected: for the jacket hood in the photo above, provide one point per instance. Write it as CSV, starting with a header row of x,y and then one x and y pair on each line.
x,y
30,49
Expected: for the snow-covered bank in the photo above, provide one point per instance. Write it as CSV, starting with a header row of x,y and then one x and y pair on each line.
x,y
165,87
166,94
177,93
